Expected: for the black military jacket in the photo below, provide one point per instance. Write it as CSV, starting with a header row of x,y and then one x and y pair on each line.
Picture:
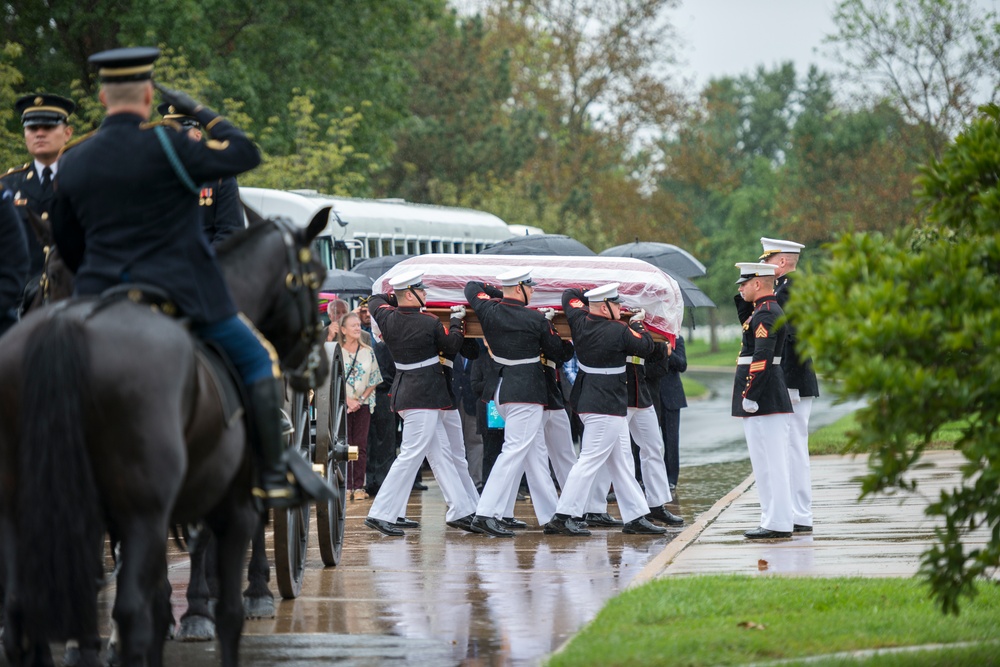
x,y
602,343
13,261
553,376
514,331
412,337
639,394
664,377
798,371
122,214
26,185
221,211
761,380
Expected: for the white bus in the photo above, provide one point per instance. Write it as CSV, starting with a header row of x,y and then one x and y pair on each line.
x,y
362,228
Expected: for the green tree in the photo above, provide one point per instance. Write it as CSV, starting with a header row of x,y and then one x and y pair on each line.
x,y
12,149
934,59
909,322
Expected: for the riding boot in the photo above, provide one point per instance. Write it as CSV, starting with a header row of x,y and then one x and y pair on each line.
x,y
277,485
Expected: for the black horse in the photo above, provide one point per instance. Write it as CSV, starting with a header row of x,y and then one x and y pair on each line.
x,y
109,420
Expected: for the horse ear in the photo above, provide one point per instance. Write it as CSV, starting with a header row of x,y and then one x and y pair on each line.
x,y
317,224
42,228
253,217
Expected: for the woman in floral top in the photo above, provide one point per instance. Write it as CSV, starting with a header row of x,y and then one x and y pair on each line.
x,y
363,376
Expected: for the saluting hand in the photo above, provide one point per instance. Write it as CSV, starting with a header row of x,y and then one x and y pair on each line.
x,y
181,102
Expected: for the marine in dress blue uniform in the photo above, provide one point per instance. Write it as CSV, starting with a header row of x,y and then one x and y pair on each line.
x,y
518,336
45,118
420,395
761,398
219,200
126,211
600,395
14,260
800,379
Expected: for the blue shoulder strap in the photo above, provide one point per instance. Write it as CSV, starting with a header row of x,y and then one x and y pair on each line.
x,y
174,160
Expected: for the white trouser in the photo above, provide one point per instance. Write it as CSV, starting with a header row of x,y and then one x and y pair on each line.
x,y
798,462
644,427
522,427
559,444
767,440
454,449
601,448
421,438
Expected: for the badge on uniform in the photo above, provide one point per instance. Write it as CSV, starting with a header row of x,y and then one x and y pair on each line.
x,y
483,296
205,199
576,303
761,332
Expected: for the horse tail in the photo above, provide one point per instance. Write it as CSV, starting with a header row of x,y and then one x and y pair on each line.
x,y
59,517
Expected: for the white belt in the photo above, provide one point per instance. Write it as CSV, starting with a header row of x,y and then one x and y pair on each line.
x,y
419,364
516,362
742,361
600,371
447,362
636,360
550,364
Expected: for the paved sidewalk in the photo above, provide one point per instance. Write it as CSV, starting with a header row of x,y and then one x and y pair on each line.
x,y
881,536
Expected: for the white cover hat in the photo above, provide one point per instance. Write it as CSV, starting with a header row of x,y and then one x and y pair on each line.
x,y
750,270
516,277
774,246
607,292
407,279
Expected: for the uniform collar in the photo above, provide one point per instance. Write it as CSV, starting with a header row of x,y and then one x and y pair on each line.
x,y
39,168
769,297
122,119
511,302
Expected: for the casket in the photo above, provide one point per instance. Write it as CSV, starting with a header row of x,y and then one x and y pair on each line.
x,y
642,285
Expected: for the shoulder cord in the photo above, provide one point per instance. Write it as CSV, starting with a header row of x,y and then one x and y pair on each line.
x,y
174,160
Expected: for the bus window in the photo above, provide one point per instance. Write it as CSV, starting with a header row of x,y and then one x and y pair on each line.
x,y
373,248
399,247
386,247
469,248
435,246
412,247
324,250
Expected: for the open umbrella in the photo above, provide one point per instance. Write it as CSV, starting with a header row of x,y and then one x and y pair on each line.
x,y
669,258
346,282
539,244
693,297
373,267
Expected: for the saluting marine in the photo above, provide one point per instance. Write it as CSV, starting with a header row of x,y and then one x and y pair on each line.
x,y
760,395
420,395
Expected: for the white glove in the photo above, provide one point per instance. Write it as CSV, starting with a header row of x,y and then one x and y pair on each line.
x,y
750,406
458,311
794,395
550,313
638,316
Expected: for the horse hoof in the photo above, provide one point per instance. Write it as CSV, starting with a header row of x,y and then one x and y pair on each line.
x,y
196,629
258,607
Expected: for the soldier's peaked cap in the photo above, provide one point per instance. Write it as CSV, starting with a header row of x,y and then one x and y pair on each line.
x,y
775,246
751,270
168,113
410,278
607,292
43,109
516,277
122,65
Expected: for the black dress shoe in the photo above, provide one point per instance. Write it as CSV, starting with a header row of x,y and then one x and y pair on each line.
x,y
418,486
580,522
511,523
403,522
663,515
602,519
491,526
384,527
612,498
559,526
641,526
799,528
765,534
466,523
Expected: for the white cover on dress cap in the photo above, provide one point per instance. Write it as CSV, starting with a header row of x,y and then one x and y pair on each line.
x,y
774,246
607,292
749,270
406,279
516,277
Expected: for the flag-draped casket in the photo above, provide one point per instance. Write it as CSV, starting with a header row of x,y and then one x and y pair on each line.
x,y
642,285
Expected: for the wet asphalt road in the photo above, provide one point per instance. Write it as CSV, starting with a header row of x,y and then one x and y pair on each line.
x,y
440,596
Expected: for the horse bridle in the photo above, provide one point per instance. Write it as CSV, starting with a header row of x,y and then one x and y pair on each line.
x,y
302,285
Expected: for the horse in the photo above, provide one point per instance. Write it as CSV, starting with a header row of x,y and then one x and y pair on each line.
x,y
109,421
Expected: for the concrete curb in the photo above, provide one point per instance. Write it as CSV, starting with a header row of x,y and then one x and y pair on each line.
x,y
658,565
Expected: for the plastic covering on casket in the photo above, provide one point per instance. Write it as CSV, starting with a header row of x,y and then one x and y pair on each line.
x,y
642,284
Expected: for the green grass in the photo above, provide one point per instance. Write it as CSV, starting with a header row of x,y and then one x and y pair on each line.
x,y
694,621
832,438
693,388
700,354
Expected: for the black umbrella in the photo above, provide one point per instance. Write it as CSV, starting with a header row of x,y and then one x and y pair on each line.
x,y
668,258
693,297
373,267
346,282
539,244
